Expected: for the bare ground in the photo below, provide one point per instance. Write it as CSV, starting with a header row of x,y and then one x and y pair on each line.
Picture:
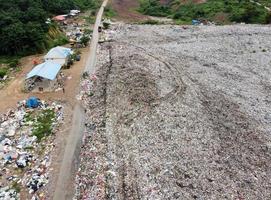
x,y
127,10
180,114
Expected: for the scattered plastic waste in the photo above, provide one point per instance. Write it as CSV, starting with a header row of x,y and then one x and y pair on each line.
x,y
22,151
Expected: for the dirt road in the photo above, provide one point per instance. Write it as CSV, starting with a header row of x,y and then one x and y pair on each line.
x,y
180,114
64,186
90,65
69,164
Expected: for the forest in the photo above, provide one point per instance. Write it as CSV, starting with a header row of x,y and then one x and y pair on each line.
x,y
219,11
23,23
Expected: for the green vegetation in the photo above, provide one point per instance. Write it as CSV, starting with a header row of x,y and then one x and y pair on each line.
x,y
3,72
8,59
23,24
265,2
109,12
14,63
106,25
90,19
16,186
154,8
150,21
55,37
43,124
219,11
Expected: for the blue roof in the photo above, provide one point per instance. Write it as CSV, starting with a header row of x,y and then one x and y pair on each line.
x,y
58,52
47,70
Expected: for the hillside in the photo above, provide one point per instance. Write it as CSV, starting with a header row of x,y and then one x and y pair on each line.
x,y
219,11
23,23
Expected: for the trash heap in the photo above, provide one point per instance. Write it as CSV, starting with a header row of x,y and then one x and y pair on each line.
x,y
26,142
86,85
179,114
91,177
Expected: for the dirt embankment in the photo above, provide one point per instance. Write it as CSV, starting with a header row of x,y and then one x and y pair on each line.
x,y
127,10
180,114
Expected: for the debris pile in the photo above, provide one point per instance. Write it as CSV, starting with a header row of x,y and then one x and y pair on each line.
x,y
178,113
26,141
8,193
90,179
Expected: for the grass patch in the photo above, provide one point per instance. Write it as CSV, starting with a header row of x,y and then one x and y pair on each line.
x,y
16,186
182,22
109,12
3,72
90,19
43,124
8,59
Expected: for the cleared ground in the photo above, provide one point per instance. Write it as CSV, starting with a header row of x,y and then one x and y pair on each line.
x,y
180,113
127,10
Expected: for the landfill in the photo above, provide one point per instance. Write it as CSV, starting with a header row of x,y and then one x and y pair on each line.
x,y
25,157
178,113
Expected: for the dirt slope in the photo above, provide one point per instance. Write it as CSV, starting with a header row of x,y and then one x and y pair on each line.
x,y
127,10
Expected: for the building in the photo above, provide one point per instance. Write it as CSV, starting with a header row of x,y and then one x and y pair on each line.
x,y
60,55
43,77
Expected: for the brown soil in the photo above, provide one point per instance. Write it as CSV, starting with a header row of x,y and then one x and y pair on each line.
x,y
126,10
13,92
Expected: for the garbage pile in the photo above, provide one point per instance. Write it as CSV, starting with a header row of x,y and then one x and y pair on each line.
x,y
76,33
179,114
90,179
26,142
8,193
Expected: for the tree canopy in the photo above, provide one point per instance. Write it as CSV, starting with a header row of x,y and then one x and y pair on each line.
x,y
213,10
23,28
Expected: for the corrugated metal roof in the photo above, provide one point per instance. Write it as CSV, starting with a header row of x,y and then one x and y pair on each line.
x,y
58,52
47,70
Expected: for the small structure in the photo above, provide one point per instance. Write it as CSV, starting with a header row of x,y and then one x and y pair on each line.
x,y
59,18
59,55
74,12
43,77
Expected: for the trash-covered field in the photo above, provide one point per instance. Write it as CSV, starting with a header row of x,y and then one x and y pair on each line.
x,y
26,142
178,113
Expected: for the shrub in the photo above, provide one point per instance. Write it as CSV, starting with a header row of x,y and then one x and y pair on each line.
x,y
219,11
14,63
150,21
84,40
154,8
109,12
88,31
3,72
106,25
43,125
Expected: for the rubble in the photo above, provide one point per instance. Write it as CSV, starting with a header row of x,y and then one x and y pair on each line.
x,y
7,193
24,157
178,113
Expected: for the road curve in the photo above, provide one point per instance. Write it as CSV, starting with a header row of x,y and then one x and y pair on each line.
x,y
72,147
